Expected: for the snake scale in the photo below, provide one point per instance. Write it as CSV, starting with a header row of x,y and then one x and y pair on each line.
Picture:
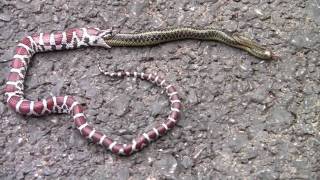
x,y
83,37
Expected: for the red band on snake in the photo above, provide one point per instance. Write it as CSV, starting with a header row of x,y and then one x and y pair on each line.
x,y
71,39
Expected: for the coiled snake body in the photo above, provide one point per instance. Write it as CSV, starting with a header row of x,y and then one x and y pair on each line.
x,y
82,37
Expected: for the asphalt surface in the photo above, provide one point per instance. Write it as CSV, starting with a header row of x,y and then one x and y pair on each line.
x,y
244,118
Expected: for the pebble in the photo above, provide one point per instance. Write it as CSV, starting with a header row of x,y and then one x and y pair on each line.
x,y
167,166
192,97
49,171
208,1
313,9
268,174
76,140
279,120
123,173
238,141
55,18
138,6
36,7
2,108
26,1
36,135
81,156
305,39
249,155
56,90
92,92
5,17
231,26
259,95
158,107
121,105
186,162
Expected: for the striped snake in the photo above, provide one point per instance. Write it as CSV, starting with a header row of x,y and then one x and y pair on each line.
x,y
157,37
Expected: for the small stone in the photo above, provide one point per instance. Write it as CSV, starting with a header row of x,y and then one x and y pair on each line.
x,y
186,162
36,6
238,141
23,23
208,1
26,1
314,10
92,112
81,156
267,175
122,131
309,103
36,135
55,18
138,7
305,39
192,97
75,140
43,18
231,26
92,92
249,154
56,90
85,83
49,171
46,150
47,67
123,173
26,168
102,172
3,75
121,105
2,108
279,120
259,95
158,107
6,34
3,140
116,3
301,72
5,17
166,167
71,157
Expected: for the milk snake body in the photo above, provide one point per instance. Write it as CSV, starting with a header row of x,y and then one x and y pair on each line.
x,y
71,39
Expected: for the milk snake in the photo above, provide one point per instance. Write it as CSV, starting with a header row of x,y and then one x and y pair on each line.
x,y
71,39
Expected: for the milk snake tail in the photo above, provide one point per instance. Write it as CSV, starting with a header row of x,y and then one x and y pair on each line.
x,y
71,39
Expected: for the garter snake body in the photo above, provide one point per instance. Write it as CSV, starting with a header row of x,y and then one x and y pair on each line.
x,y
157,37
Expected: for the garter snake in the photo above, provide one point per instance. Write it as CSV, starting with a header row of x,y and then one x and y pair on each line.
x,y
156,37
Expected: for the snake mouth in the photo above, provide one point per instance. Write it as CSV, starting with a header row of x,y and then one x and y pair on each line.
x,y
106,34
102,36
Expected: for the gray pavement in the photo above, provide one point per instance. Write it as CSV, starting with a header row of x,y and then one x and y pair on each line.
x,y
243,118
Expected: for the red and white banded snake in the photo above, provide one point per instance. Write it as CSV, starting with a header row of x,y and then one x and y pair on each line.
x,y
71,39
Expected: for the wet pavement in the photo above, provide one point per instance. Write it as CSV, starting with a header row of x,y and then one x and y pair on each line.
x,y
243,117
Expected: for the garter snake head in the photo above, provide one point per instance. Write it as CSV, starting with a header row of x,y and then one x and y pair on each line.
x,y
254,48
